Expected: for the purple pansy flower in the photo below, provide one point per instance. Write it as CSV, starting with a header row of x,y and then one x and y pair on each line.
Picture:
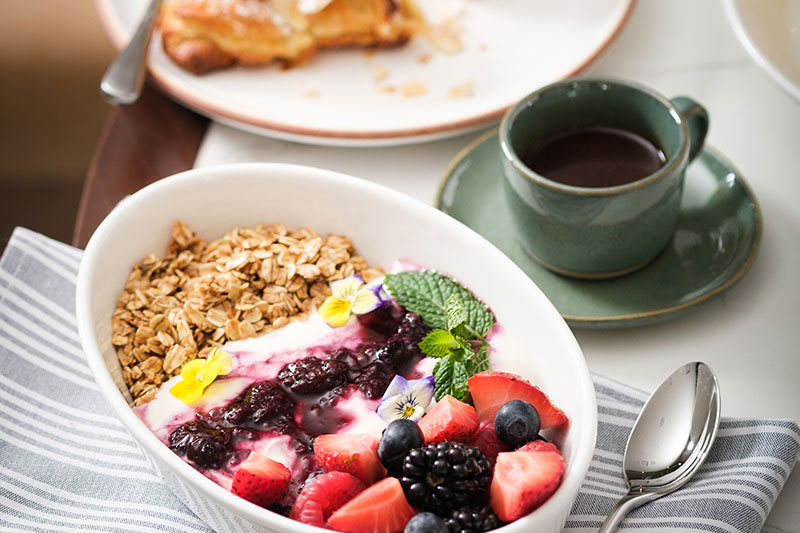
x,y
406,399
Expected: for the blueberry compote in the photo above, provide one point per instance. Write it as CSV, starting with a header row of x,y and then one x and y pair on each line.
x,y
300,401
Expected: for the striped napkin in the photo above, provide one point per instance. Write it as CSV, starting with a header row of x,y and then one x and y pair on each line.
x,y
67,464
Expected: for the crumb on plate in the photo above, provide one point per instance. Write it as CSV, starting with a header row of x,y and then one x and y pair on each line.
x,y
379,74
413,89
465,90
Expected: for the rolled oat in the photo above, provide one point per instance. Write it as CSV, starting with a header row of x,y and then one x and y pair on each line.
x,y
249,282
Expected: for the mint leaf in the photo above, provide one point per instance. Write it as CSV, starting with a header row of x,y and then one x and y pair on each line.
x,y
426,294
450,376
438,343
455,314
460,387
463,349
479,362
443,377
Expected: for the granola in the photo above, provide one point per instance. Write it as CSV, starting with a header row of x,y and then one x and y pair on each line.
x,y
249,282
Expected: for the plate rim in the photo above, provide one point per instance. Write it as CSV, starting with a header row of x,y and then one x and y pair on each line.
x,y
326,136
755,51
645,317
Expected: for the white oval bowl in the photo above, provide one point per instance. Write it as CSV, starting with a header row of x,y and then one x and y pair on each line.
x,y
384,225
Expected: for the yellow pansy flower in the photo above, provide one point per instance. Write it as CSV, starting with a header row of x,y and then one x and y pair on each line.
x,y
349,296
200,373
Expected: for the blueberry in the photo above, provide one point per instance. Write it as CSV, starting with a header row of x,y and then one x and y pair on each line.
x,y
425,523
516,423
399,438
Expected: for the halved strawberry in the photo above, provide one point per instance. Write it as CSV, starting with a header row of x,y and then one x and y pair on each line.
x,y
492,389
449,420
381,508
487,441
322,495
261,480
354,453
539,445
523,480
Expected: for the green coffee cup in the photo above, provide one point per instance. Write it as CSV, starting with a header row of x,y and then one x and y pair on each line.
x,y
598,230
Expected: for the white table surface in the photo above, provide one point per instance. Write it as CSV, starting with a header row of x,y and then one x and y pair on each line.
x,y
750,335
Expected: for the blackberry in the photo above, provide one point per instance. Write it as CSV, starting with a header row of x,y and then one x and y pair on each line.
x,y
281,509
346,356
395,355
445,476
472,520
331,398
412,328
410,332
205,446
312,375
258,404
373,379
284,424
382,320
361,358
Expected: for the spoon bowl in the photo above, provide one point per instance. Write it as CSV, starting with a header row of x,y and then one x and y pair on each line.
x,y
671,438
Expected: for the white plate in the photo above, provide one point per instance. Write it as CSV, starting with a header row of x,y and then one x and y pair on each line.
x,y
511,47
770,32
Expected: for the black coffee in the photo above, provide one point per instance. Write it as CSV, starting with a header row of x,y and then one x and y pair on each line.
x,y
594,156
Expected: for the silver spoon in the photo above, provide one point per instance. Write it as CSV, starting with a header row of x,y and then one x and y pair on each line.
x,y
122,82
671,438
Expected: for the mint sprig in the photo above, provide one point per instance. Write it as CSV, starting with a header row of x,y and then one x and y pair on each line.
x,y
457,362
460,323
426,294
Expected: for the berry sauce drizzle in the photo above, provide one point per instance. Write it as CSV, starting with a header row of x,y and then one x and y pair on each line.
x,y
300,402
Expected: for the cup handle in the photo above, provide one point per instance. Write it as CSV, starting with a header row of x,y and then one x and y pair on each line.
x,y
697,119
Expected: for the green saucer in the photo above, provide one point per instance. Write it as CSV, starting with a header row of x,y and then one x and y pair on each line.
x,y
717,239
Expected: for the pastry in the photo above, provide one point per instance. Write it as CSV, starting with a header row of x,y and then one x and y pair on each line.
x,y
205,35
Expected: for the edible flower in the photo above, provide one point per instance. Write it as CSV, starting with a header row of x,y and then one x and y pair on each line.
x,y
406,399
351,296
200,373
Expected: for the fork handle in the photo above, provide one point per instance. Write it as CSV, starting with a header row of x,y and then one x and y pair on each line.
x,y
122,82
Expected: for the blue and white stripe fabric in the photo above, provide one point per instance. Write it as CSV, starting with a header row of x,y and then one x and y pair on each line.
x,y
733,491
67,464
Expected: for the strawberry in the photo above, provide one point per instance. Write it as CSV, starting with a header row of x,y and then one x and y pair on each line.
x,y
491,390
354,453
487,441
523,480
539,445
381,508
324,494
261,480
449,420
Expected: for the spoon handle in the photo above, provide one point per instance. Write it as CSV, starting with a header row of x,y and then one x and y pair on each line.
x,y
626,504
122,82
